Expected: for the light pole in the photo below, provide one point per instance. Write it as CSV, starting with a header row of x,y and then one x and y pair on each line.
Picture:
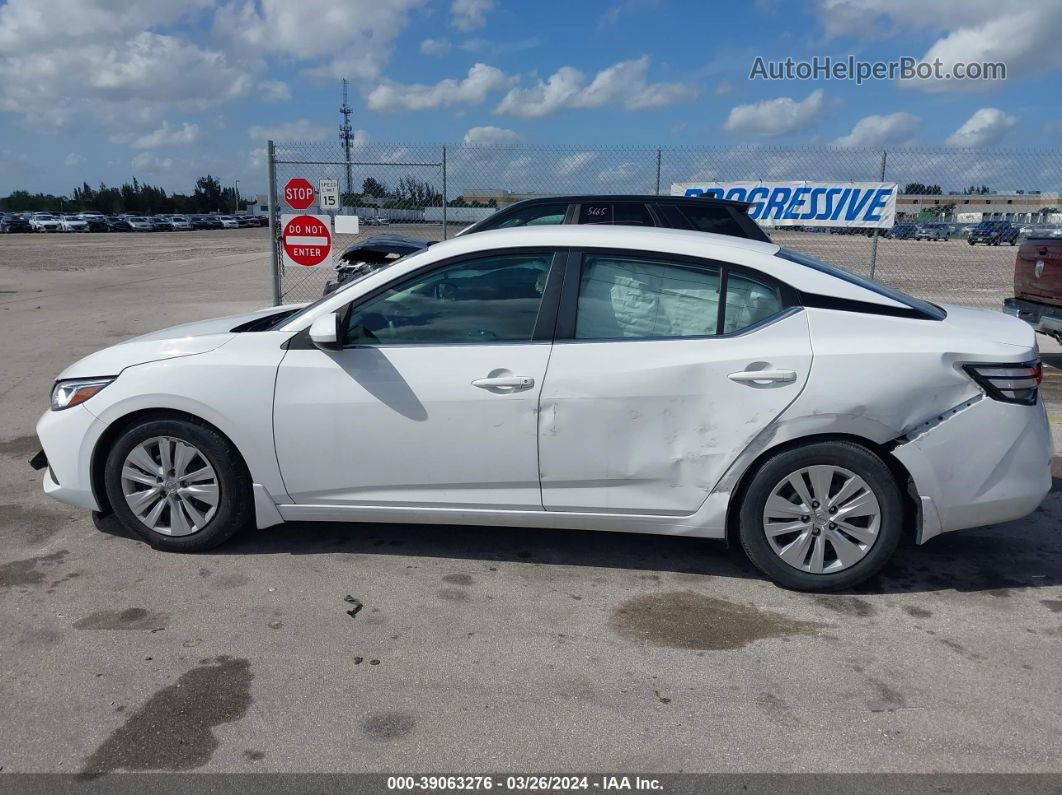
x,y
236,199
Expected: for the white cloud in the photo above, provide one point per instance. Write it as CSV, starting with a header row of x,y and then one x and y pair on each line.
x,y
74,159
298,130
78,59
274,91
894,129
164,136
986,127
1024,36
492,135
350,38
147,163
468,15
776,117
621,84
435,46
472,90
569,164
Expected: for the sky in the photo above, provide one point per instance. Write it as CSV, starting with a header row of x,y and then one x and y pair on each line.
x,y
168,90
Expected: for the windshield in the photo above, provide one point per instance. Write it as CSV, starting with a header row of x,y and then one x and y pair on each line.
x,y
345,286
926,308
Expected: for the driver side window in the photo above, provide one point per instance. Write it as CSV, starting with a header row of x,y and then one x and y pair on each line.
x,y
488,299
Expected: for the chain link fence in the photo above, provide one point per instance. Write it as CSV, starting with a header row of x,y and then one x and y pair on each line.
x,y
432,191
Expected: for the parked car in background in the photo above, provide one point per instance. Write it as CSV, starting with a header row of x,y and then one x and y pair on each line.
x,y
212,222
139,223
13,223
1040,232
902,231
378,220
368,255
819,415
994,233
228,222
44,222
1038,285
702,214
161,223
246,221
95,222
931,232
180,223
116,223
72,223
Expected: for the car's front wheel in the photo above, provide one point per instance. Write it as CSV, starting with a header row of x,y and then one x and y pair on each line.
x,y
821,517
179,485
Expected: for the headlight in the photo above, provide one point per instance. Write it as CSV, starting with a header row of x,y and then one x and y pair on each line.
x,y
77,390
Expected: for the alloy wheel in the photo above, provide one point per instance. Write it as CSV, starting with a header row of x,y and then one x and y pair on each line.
x,y
822,519
170,486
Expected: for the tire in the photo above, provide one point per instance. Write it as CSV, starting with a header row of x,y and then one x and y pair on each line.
x,y
770,480
228,483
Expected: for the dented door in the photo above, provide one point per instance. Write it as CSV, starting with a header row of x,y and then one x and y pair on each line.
x,y
650,425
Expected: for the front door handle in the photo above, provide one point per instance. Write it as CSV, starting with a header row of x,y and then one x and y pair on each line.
x,y
763,376
513,382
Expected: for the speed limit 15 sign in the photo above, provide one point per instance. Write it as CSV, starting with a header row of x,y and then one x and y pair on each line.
x,y
328,194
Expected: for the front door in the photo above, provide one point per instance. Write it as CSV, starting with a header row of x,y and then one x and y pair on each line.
x,y
658,386
432,402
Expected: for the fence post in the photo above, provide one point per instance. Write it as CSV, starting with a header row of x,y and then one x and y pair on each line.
x,y
874,242
274,223
658,171
444,191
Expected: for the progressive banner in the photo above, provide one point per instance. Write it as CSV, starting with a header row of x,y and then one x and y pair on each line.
x,y
869,205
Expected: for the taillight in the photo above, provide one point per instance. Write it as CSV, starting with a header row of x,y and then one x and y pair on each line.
x,y
1011,383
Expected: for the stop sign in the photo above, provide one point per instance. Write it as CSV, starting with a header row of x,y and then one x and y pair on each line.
x,y
307,241
298,193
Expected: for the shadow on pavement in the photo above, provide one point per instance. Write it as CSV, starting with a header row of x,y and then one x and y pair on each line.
x,y
1022,554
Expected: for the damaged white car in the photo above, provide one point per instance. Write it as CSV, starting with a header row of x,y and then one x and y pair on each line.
x,y
624,379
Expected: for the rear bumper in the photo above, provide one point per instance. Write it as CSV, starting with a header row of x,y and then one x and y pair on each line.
x,y
988,463
1045,318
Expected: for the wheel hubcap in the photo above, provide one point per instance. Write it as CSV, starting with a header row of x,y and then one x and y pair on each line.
x,y
822,519
170,486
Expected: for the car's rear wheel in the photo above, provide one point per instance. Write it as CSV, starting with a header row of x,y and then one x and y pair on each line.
x,y
821,517
179,485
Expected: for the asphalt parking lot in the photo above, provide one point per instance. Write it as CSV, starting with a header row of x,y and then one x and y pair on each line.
x,y
477,649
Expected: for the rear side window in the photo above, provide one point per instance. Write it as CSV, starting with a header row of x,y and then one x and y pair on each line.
x,y
539,214
625,213
712,219
624,297
748,301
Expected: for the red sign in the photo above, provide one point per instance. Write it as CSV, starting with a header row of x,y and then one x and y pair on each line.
x,y
307,241
298,193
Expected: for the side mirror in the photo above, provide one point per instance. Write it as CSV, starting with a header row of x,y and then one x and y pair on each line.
x,y
324,333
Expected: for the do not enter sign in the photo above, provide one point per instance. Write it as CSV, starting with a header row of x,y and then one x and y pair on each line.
x,y
298,193
307,240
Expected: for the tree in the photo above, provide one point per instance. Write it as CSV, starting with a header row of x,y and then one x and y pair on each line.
x,y
919,187
374,188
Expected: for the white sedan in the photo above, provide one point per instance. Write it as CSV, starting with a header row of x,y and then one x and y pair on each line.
x,y
603,378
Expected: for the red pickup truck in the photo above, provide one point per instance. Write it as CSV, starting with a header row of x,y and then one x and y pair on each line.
x,y
1038,286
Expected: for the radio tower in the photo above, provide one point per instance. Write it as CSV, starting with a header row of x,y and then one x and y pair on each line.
x,y
345,134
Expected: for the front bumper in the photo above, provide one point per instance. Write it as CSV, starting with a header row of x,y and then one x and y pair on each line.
x,y
68,438
1045,318
987,463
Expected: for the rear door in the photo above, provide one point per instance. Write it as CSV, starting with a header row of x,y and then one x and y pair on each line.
x,y
654,385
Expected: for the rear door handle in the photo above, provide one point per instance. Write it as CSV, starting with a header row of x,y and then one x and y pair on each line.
x,y
763,376
514,382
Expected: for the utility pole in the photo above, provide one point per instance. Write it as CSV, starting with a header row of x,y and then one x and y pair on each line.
x,y
236,198
346,136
